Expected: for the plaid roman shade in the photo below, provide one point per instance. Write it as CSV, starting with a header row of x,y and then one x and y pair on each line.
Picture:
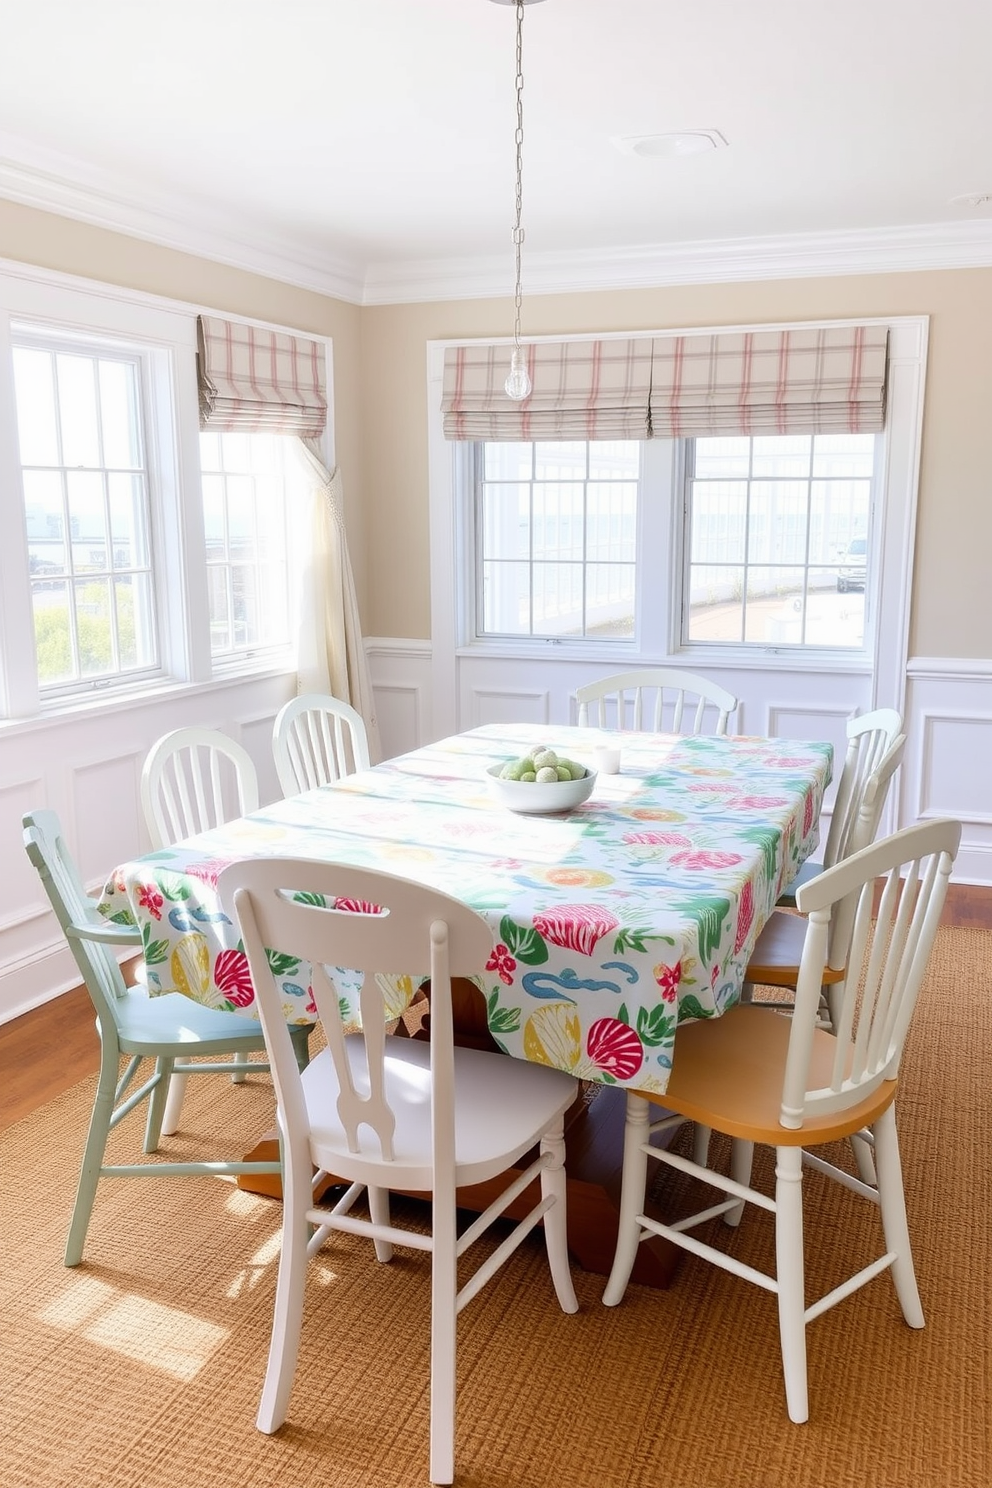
x,y
254,381
808,380
582,390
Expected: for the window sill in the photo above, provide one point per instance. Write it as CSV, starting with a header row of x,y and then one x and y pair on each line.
x,y
626,654
106,704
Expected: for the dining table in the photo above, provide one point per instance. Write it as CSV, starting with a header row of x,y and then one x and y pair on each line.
x,y
613,923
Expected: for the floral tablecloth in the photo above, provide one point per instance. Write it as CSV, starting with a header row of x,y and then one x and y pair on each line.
x,y
612,924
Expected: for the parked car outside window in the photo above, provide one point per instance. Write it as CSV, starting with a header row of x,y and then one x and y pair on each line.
x,y
853,560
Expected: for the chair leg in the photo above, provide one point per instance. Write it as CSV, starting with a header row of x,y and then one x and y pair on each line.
x,y
174,1104
892,1202
240,1062
444,1315
553,1185
287,1319
701,1145
379,1210
632,1190
741,1158
791,1281
157,1102
96,1142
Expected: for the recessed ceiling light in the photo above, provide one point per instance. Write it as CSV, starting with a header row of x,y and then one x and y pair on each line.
x,y
674,142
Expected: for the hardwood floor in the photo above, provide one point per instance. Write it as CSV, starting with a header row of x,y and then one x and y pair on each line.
x,y
45,1051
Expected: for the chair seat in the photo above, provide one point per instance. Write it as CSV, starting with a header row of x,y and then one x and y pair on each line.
x,y
176,1025
779,949
728,1074
499,1103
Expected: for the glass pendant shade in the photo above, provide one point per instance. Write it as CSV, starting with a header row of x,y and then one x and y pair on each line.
x,y
518,384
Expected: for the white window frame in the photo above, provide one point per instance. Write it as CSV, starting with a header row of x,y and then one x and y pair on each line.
x,y
839,658
893,532
163,333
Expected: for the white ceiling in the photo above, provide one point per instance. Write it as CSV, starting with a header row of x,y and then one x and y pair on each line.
x,y
365,147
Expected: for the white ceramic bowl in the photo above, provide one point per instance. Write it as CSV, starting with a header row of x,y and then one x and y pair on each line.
x,y
540,800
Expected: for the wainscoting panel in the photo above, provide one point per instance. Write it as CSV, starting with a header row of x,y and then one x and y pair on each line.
x,y
401,682
946,772
85,764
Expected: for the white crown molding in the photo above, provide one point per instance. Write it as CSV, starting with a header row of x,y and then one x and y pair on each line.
x,y
944,245
54,182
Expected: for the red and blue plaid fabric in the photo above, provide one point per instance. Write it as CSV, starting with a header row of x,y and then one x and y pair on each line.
x,y
253,380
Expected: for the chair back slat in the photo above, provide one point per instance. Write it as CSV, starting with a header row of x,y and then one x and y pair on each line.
x,y
661,699
887,951
316,740
333,916
875,748
195,779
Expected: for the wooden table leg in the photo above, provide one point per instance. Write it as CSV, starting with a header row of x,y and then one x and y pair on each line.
x,y
593,1158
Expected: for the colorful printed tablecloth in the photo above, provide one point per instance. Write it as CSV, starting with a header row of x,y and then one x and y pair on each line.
x,y
613,923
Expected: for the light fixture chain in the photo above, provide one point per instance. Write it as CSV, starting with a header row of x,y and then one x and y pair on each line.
x,y
518,232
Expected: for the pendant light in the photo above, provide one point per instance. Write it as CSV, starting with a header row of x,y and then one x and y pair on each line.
x,y
518,383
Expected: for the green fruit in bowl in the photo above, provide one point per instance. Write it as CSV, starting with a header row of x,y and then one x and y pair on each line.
x,y
543,766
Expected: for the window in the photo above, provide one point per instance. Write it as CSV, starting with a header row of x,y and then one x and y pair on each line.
x,y
570,541
136,552
248,482
86,510
557,539
776,540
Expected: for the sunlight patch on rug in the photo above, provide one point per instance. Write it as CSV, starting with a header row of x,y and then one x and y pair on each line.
x,y
163,1338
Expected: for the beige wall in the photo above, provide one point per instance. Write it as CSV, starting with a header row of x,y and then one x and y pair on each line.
x,y
53,242
951,613
380,377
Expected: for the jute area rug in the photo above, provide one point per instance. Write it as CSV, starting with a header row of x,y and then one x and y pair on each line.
x,y
142,1367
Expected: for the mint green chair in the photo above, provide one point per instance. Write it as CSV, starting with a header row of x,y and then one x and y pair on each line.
x,y
169,1030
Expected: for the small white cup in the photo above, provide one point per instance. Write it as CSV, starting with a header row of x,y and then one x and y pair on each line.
x,y
607,757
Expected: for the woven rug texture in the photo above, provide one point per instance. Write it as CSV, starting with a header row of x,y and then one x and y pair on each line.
x,y
142,1367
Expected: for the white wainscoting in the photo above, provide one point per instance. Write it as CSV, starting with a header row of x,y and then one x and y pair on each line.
x,y
946,770
86,766
947,706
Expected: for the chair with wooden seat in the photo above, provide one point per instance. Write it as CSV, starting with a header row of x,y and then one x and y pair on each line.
x,y
861,793
317,739
170,1030
194,779
658,699
383,1112
776,956
786,1082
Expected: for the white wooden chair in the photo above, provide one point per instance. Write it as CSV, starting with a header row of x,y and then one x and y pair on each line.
x,y
788,1083
658,699
194,779
778,951
170,1030
317,739
862,790
383,1112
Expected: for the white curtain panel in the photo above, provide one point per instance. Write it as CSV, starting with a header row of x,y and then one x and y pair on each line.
x,y
332,653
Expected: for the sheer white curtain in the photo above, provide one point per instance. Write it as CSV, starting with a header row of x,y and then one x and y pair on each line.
x,y
332,653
